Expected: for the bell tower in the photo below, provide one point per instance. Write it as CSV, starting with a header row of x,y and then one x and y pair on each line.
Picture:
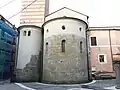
x,y
34,14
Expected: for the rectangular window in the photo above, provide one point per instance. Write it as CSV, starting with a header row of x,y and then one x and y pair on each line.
x,y
93,41
102,58
24,33
29,33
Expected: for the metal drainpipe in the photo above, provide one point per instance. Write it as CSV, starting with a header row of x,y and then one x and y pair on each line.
x,y
88,59
111,47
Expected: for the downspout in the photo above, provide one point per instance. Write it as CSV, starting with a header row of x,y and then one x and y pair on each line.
x,y
88,59
111,47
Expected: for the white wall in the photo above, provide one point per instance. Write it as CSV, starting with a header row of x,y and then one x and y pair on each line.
x,y
28,45
71,27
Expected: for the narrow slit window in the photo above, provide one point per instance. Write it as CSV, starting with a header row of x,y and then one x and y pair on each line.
x,y
46,47
29,33
80,46
80,28
63,45
47,30
24,33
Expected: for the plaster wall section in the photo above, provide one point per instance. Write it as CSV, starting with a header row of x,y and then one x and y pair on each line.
x,y
29,50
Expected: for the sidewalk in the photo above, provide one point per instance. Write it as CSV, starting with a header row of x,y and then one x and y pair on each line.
x,y
4,81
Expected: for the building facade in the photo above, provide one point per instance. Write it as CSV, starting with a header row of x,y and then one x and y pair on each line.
x,y
104,44
8,38
29,53
65,51
35,13
58,52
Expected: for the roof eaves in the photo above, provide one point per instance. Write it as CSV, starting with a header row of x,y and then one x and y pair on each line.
x,y
68,9
109,27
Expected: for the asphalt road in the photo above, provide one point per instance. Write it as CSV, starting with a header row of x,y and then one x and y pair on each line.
x,y
10,87
98,85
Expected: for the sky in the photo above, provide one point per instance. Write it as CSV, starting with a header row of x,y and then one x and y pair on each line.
x,y
100,12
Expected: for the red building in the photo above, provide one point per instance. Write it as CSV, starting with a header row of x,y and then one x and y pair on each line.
x,y
104,43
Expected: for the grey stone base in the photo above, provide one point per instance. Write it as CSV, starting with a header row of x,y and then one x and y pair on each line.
x,y
31,71
65,82
65,67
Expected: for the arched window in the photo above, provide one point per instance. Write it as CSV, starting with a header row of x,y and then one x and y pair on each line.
x,y
46,48
80,28
24,33
29,33
63,45
80,46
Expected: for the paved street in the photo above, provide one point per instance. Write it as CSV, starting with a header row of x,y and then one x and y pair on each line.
x,y
98,85
10,87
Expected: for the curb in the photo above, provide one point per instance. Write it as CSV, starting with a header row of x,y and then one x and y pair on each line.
x,y
23,86
94,81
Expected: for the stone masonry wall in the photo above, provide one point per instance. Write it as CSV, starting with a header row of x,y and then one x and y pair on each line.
x,y
30,72
68,67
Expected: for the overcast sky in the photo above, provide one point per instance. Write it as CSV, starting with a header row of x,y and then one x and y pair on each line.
x,y
100,12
